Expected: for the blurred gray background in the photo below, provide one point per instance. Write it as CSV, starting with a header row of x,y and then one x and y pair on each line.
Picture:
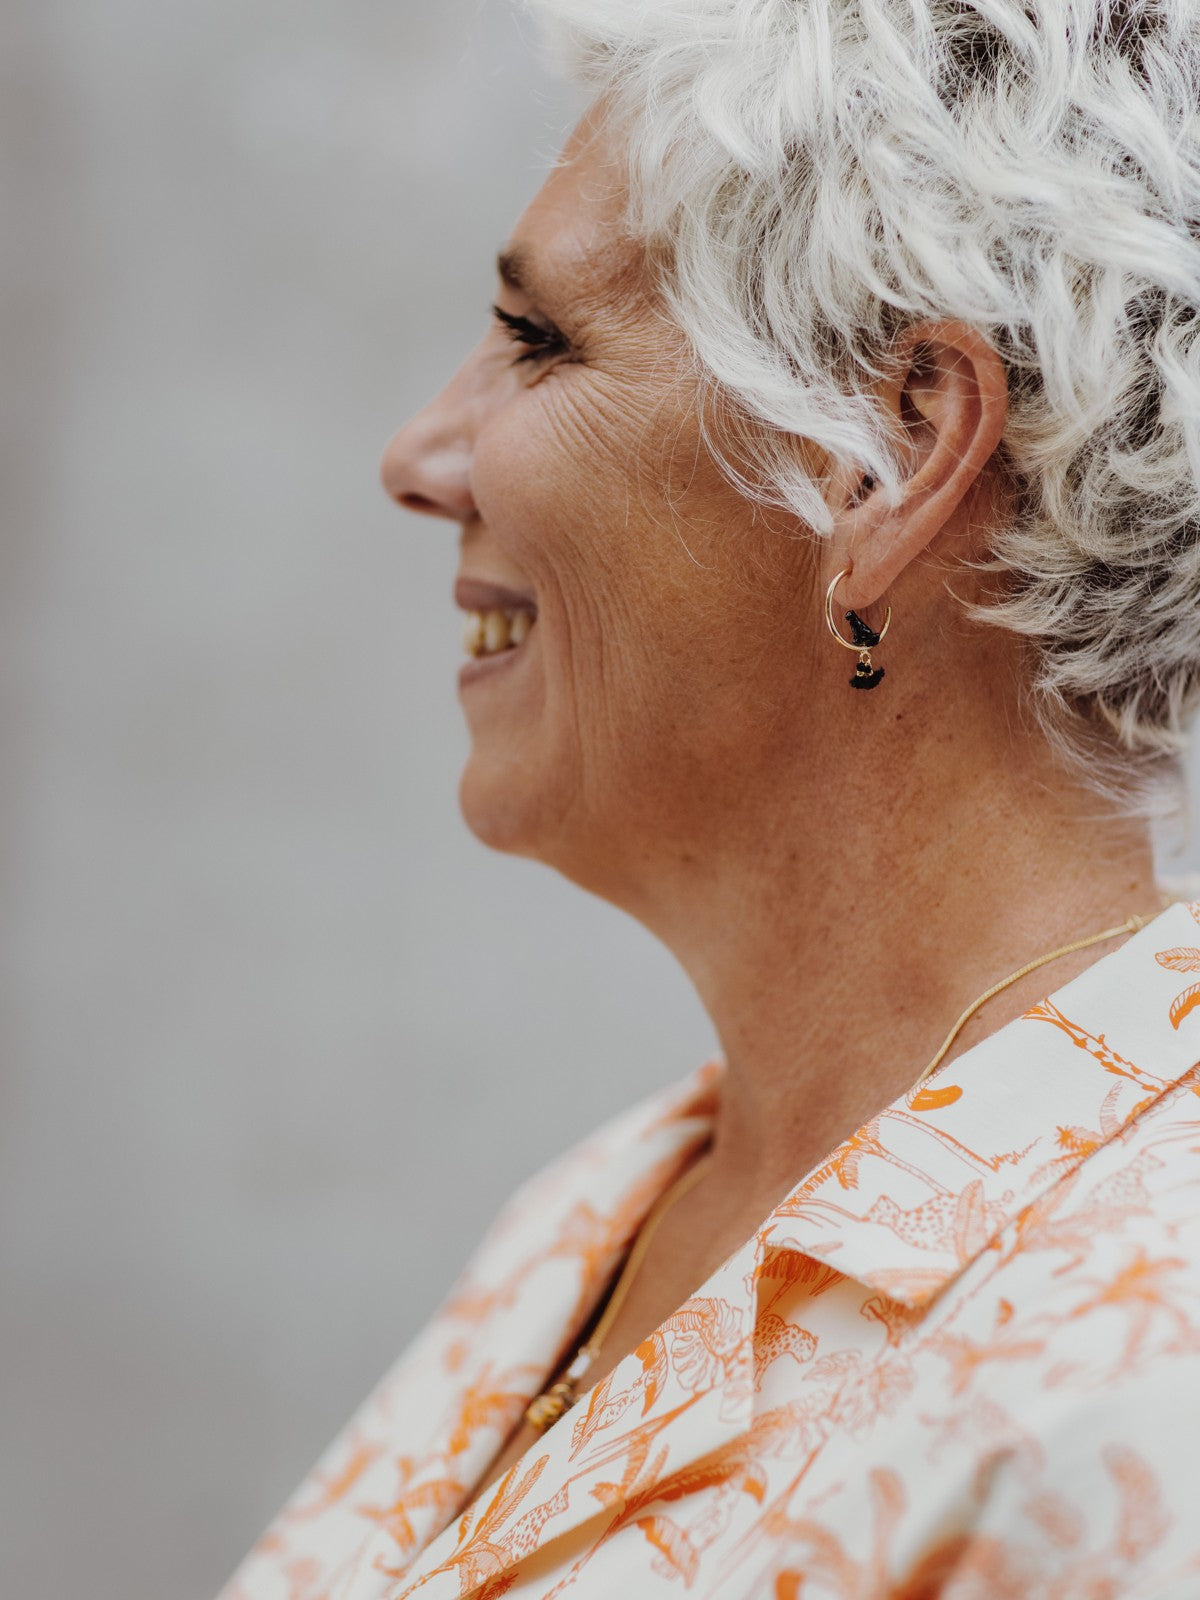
x,y
278,1034
263,995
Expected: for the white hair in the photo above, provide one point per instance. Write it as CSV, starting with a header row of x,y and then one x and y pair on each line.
x,y
815,174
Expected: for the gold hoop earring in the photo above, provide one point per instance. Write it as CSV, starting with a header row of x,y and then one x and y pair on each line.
x,y
866,674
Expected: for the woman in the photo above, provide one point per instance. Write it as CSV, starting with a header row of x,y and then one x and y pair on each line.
x,y
837,325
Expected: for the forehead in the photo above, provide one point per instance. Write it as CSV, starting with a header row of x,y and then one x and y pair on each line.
x,y
573,231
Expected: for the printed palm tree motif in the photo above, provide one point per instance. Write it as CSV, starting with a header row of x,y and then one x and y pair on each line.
x,y
470,1303
590,1239
584,1235
595,1239
986,1564
679,1548
332,1485
1078,1142
484,1404
896,1318
491,1402
816,1554
1110,1205
1097,1046
1055,1516
870,1141
708,1347
1143,1289
440,1495
843,1165
966,1356
797,1428
1183,958
707,1344
984,1427
494,1402
302,1578
933,1396
877,1390
719,1479
481,1553
1142,1523
946,1141
1178,1131
785,1270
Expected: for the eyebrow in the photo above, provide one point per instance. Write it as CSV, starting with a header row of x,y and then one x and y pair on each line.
x,y
515,269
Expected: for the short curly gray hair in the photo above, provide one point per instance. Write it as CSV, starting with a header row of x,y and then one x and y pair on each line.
x,y
815,174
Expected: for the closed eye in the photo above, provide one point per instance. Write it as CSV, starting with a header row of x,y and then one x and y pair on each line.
x,y
540,341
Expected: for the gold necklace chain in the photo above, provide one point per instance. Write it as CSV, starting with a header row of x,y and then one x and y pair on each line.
x,y
1130,925
561,1396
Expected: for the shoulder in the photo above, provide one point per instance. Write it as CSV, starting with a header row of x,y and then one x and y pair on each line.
x,y
601,1172
1094,1343
1106,1493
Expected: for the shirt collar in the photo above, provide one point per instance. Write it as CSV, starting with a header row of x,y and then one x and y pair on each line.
x,y
909,1200
903,1206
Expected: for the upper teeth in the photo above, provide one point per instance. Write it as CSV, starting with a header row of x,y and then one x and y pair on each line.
x,y
486,632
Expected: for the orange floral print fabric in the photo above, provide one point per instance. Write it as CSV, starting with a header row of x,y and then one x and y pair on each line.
x,y
960,1360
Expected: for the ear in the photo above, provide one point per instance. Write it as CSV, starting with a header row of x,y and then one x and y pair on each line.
x,y
949,399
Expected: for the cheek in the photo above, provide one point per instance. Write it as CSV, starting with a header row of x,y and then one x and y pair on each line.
x,y
670,605
555,455
520,476
566,492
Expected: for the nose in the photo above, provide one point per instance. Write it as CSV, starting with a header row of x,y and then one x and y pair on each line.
x,y
427,463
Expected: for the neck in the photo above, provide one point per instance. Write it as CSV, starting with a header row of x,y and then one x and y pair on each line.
x,y
832,973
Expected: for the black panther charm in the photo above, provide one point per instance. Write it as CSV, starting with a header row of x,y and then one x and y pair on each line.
x,y
865,636
865,676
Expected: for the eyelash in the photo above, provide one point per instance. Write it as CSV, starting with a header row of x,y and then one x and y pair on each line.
x,y
540,342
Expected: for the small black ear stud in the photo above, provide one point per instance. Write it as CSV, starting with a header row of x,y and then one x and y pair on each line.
x,y
866,674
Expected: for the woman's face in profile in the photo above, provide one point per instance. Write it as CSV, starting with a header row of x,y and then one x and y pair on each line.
x,y
674,632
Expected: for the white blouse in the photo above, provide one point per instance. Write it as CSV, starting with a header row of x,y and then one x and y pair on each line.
x,y
961,1359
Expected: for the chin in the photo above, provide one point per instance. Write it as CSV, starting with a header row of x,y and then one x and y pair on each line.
x,y
502,808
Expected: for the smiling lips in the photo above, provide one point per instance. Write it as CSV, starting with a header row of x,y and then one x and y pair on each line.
x,y
498,619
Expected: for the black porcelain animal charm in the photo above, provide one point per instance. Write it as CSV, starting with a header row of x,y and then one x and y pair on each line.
x,y
866,676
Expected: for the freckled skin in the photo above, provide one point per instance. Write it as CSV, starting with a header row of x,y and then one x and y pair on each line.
x,y
678,733
667,653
